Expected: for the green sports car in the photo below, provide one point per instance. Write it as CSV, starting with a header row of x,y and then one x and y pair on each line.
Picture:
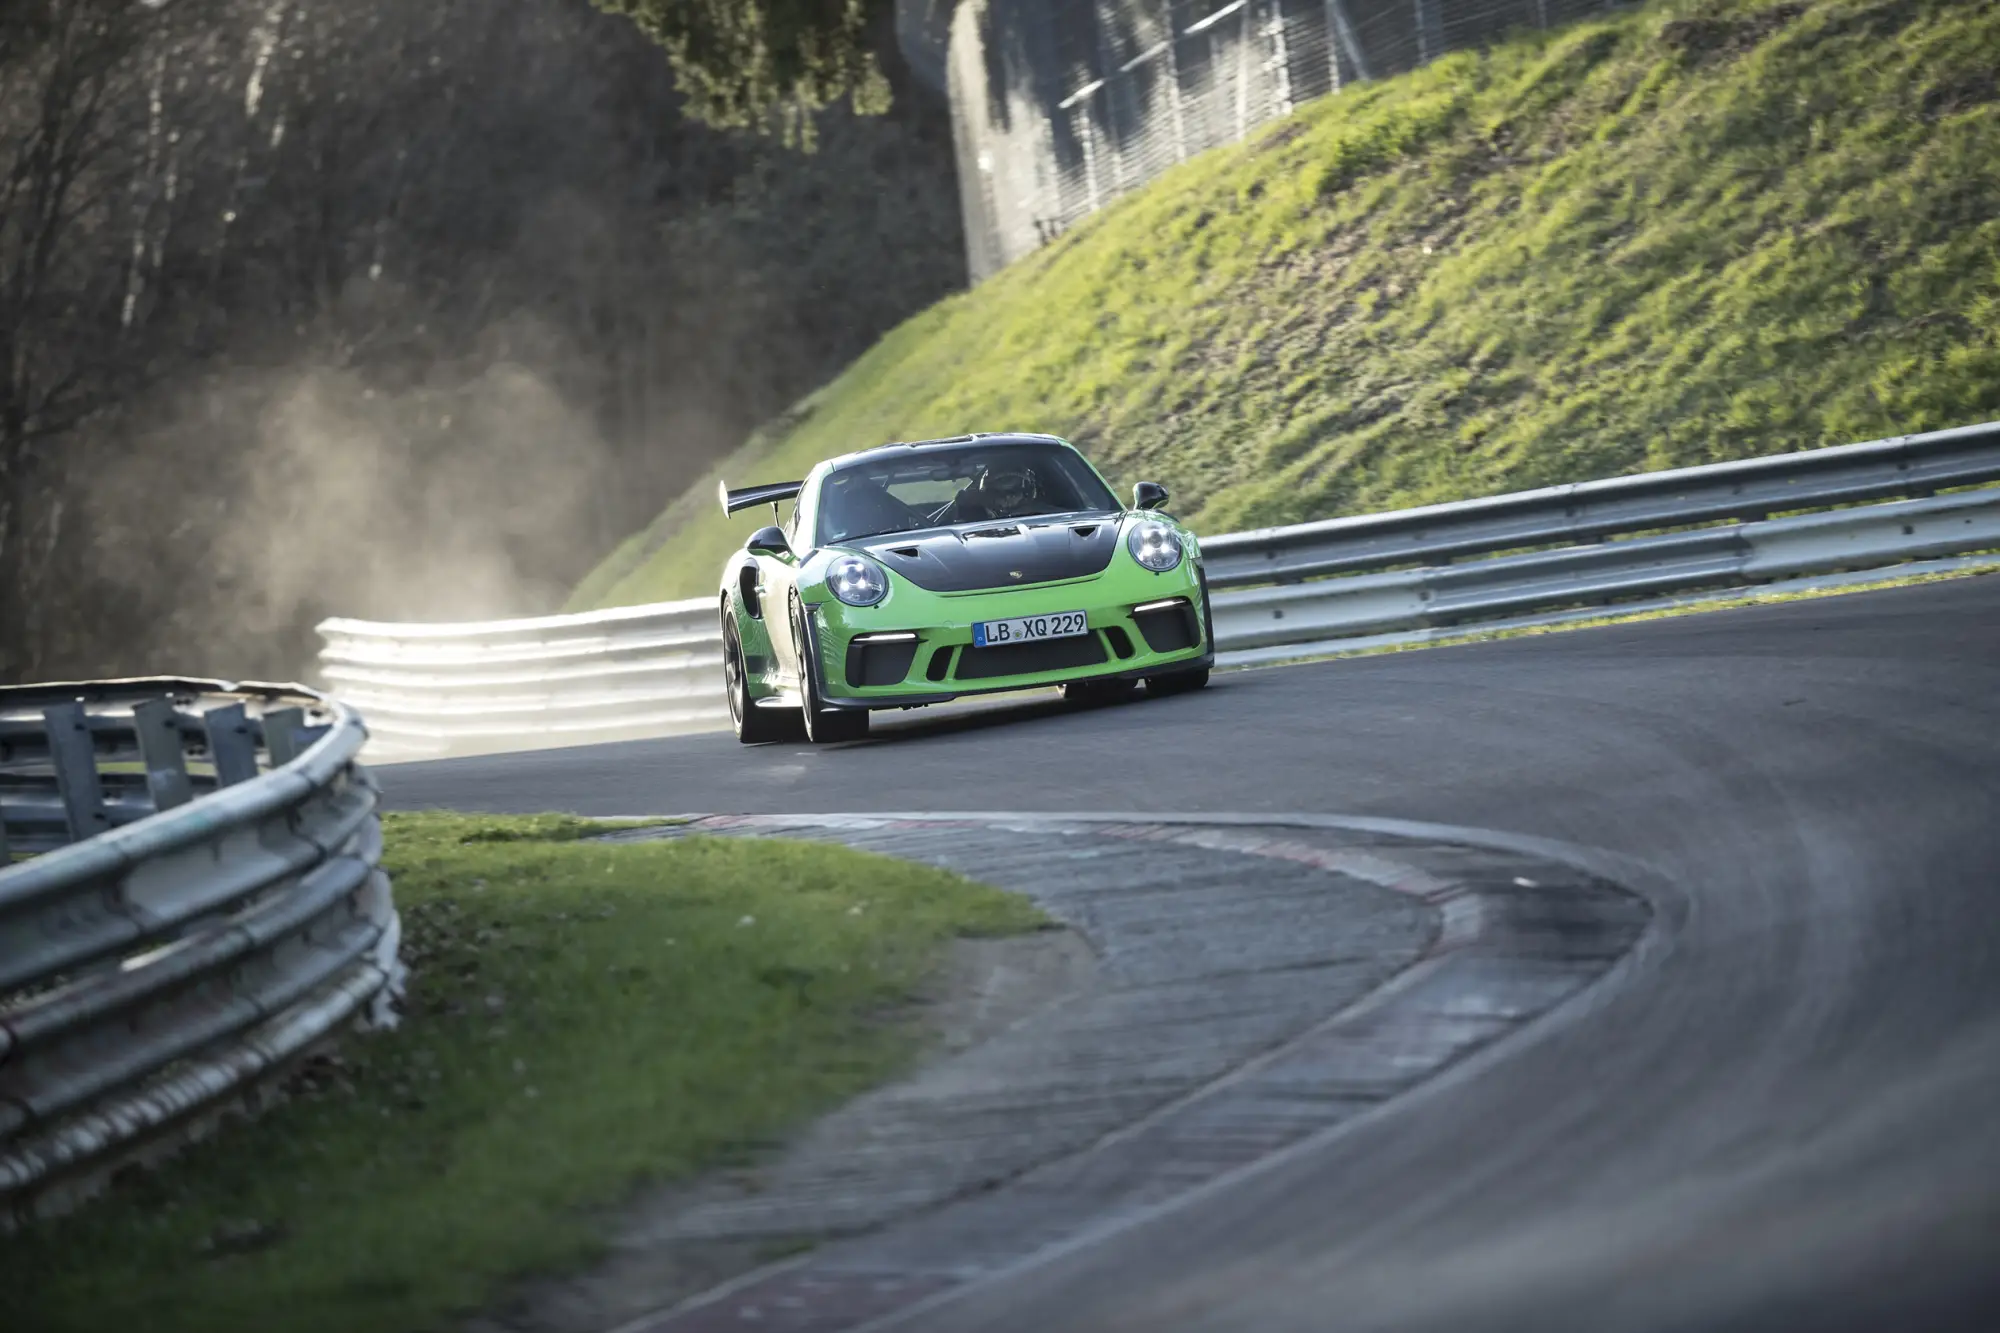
x,y
915,573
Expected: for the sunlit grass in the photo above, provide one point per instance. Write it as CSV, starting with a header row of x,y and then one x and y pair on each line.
x,y
1700,230
583,1017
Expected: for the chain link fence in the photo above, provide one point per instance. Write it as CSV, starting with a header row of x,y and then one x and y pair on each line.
x,y
1060,106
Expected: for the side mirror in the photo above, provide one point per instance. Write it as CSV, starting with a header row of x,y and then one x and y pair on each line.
x,y
768,541
1148,495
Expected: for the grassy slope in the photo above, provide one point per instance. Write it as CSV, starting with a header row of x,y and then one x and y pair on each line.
x,y
1694,232
581,1016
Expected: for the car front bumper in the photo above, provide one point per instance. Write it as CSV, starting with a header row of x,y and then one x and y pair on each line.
x,y
916,647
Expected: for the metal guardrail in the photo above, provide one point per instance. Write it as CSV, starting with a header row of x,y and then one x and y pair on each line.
x,y
1592,511
1508,558
207,905
554,680
1531,557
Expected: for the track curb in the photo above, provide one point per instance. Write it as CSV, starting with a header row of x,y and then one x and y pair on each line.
x,y
1524,927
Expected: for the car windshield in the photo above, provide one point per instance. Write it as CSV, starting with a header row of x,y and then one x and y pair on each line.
x,y
893,491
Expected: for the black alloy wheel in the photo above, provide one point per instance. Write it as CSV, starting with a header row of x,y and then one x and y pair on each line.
x,y
754,725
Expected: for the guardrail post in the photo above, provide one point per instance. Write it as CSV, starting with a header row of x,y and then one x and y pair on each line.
x,y
6,856
281,734
75,759
1430,31
1340,40
161,749
231,744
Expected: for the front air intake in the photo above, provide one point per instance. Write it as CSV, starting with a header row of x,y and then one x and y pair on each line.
x,y
1168,627
880,661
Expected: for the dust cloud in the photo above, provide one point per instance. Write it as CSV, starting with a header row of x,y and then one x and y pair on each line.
x,y
481,492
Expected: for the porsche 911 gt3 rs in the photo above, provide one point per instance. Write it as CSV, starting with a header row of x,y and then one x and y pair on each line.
x,y
911,574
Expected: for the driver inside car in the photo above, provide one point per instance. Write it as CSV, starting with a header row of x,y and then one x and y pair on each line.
x,y
999,491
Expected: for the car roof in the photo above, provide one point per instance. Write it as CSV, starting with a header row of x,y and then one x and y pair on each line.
x,y
949,442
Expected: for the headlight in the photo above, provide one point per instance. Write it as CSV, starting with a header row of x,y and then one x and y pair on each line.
x,y
857,581
1154,545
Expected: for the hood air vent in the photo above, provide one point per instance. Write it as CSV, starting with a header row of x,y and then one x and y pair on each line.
x,y
953,559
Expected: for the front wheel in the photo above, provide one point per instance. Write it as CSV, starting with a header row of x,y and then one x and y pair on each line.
x,y
753,725
824,725
1177,682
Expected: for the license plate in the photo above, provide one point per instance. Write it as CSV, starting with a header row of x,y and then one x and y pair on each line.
x,y
1025,629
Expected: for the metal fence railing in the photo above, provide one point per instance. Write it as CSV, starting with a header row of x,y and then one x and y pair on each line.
x,y
599,675
1415,572
1530,558
200,903
1060,106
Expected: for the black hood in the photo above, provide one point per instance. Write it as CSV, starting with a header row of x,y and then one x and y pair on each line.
x,y
1005,554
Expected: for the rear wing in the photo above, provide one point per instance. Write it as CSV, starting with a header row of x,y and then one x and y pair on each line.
x,y
751,496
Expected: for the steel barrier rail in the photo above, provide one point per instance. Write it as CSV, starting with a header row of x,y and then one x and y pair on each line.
x,y
187,929
433,689
1751,488
1315,616
1532,557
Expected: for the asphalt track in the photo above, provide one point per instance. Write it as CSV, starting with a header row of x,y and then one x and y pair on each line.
x,y
1781,1112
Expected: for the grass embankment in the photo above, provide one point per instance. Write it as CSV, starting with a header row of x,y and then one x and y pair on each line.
x,y
1694,232
582,1017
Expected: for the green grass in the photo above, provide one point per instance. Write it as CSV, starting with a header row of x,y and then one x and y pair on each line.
x,y
583,1017
1701,230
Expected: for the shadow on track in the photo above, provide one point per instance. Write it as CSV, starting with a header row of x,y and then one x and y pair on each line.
x,y
972,716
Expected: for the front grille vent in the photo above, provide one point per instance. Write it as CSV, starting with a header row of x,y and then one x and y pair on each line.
x,y
1021,659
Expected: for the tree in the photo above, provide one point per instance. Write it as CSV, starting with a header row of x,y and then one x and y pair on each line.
x,y
769,63
70,72
408,311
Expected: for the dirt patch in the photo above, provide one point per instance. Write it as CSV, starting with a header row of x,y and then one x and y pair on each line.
x,y
1960,92
1697,38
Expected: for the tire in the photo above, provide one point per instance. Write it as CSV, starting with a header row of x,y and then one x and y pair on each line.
x,y
1088,692
1177,682
754,725
824,726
